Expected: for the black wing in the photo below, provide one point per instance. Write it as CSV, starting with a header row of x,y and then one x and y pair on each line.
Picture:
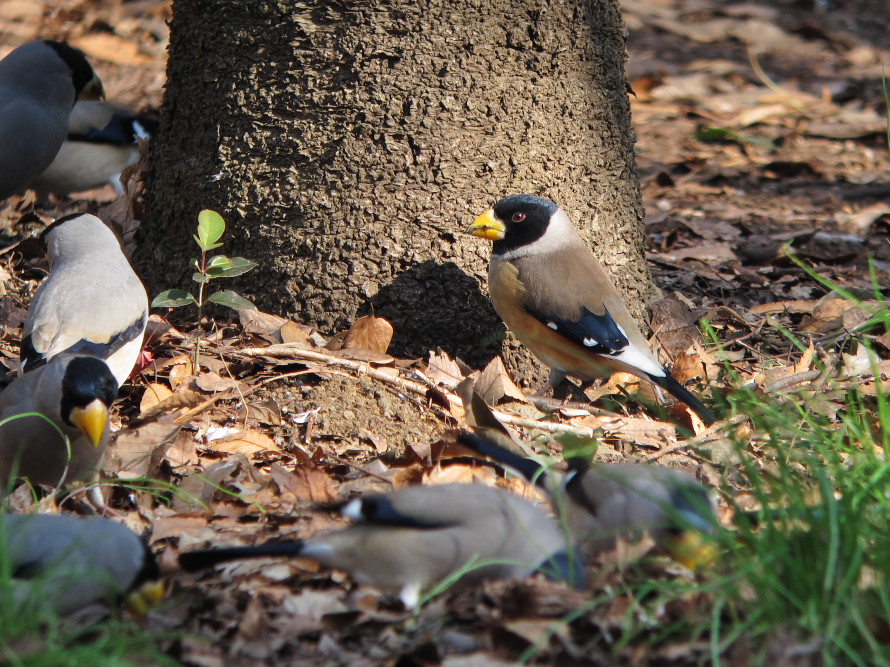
x,y
598,333
380,510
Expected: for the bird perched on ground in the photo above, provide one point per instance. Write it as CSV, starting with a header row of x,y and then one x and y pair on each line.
x,y
102,141
39,84
602,501
553,294
91,303
67,562
73,394
416,536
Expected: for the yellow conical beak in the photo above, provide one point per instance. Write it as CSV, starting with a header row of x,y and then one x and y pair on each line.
x,y
91,420
145,598
487,226
692,549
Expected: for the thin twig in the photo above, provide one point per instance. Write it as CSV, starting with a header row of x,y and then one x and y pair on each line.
x,y
791,380
287,351
550,427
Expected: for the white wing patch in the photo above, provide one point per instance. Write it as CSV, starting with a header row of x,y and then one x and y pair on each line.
x,y
352,509
591,342
636,358
553,326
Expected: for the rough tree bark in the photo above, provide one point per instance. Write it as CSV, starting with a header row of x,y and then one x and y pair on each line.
x,y
349,144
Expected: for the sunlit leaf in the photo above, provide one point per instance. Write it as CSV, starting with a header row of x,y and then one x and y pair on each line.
x,y
231,299
218,260
211,227
173,298
235,267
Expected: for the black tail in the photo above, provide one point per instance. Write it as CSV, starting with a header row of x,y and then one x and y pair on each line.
x,y
681,393
204,558
529,469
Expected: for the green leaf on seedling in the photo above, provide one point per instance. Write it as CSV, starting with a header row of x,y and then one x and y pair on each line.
x,y
231,299
200,278
173,298
211,227
228,267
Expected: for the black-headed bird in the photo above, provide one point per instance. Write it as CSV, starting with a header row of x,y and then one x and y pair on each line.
x,y
554,295
414,537
39,84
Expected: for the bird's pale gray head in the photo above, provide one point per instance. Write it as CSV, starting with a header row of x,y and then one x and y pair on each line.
x,y
79,235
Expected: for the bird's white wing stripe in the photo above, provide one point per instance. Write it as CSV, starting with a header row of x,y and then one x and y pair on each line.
x,y
635,358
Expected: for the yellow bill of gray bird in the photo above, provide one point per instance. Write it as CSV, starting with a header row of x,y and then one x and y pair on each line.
x,y
66,563
412,538
91,303
554,295
54,421
39,83
102,141
603,501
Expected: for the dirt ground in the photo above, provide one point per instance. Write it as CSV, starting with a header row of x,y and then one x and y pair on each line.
x,y
758,125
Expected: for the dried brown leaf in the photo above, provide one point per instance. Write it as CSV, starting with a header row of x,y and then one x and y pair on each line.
x,y
157,328
291,332
369,333
184,398
244,442
182,451
688,366
442,369
305,483
136,453
262,324
213,382
478,415
154,394
180,370
494,384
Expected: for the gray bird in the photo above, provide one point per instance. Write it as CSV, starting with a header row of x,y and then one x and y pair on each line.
x,y
602,501
91,303
66,563
39,84
412,538
102,141
72,395
555,296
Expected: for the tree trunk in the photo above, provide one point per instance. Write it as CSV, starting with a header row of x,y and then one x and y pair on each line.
x,y
349,144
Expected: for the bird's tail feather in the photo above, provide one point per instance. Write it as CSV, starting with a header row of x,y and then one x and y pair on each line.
x,y
531,470
681,393
199,560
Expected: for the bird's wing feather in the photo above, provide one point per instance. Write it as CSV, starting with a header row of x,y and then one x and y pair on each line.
x,y
57,321
575,298
382,511
598,333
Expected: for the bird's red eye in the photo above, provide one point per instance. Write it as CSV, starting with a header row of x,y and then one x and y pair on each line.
x,y
519,216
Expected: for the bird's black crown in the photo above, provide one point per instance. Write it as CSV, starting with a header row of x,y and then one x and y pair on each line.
x,y
81,71
86,379
525,219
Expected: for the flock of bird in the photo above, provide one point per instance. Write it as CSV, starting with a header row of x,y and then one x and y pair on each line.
x,y
84,332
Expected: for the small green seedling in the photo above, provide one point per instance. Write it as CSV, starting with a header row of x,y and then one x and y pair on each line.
x,y
211,227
